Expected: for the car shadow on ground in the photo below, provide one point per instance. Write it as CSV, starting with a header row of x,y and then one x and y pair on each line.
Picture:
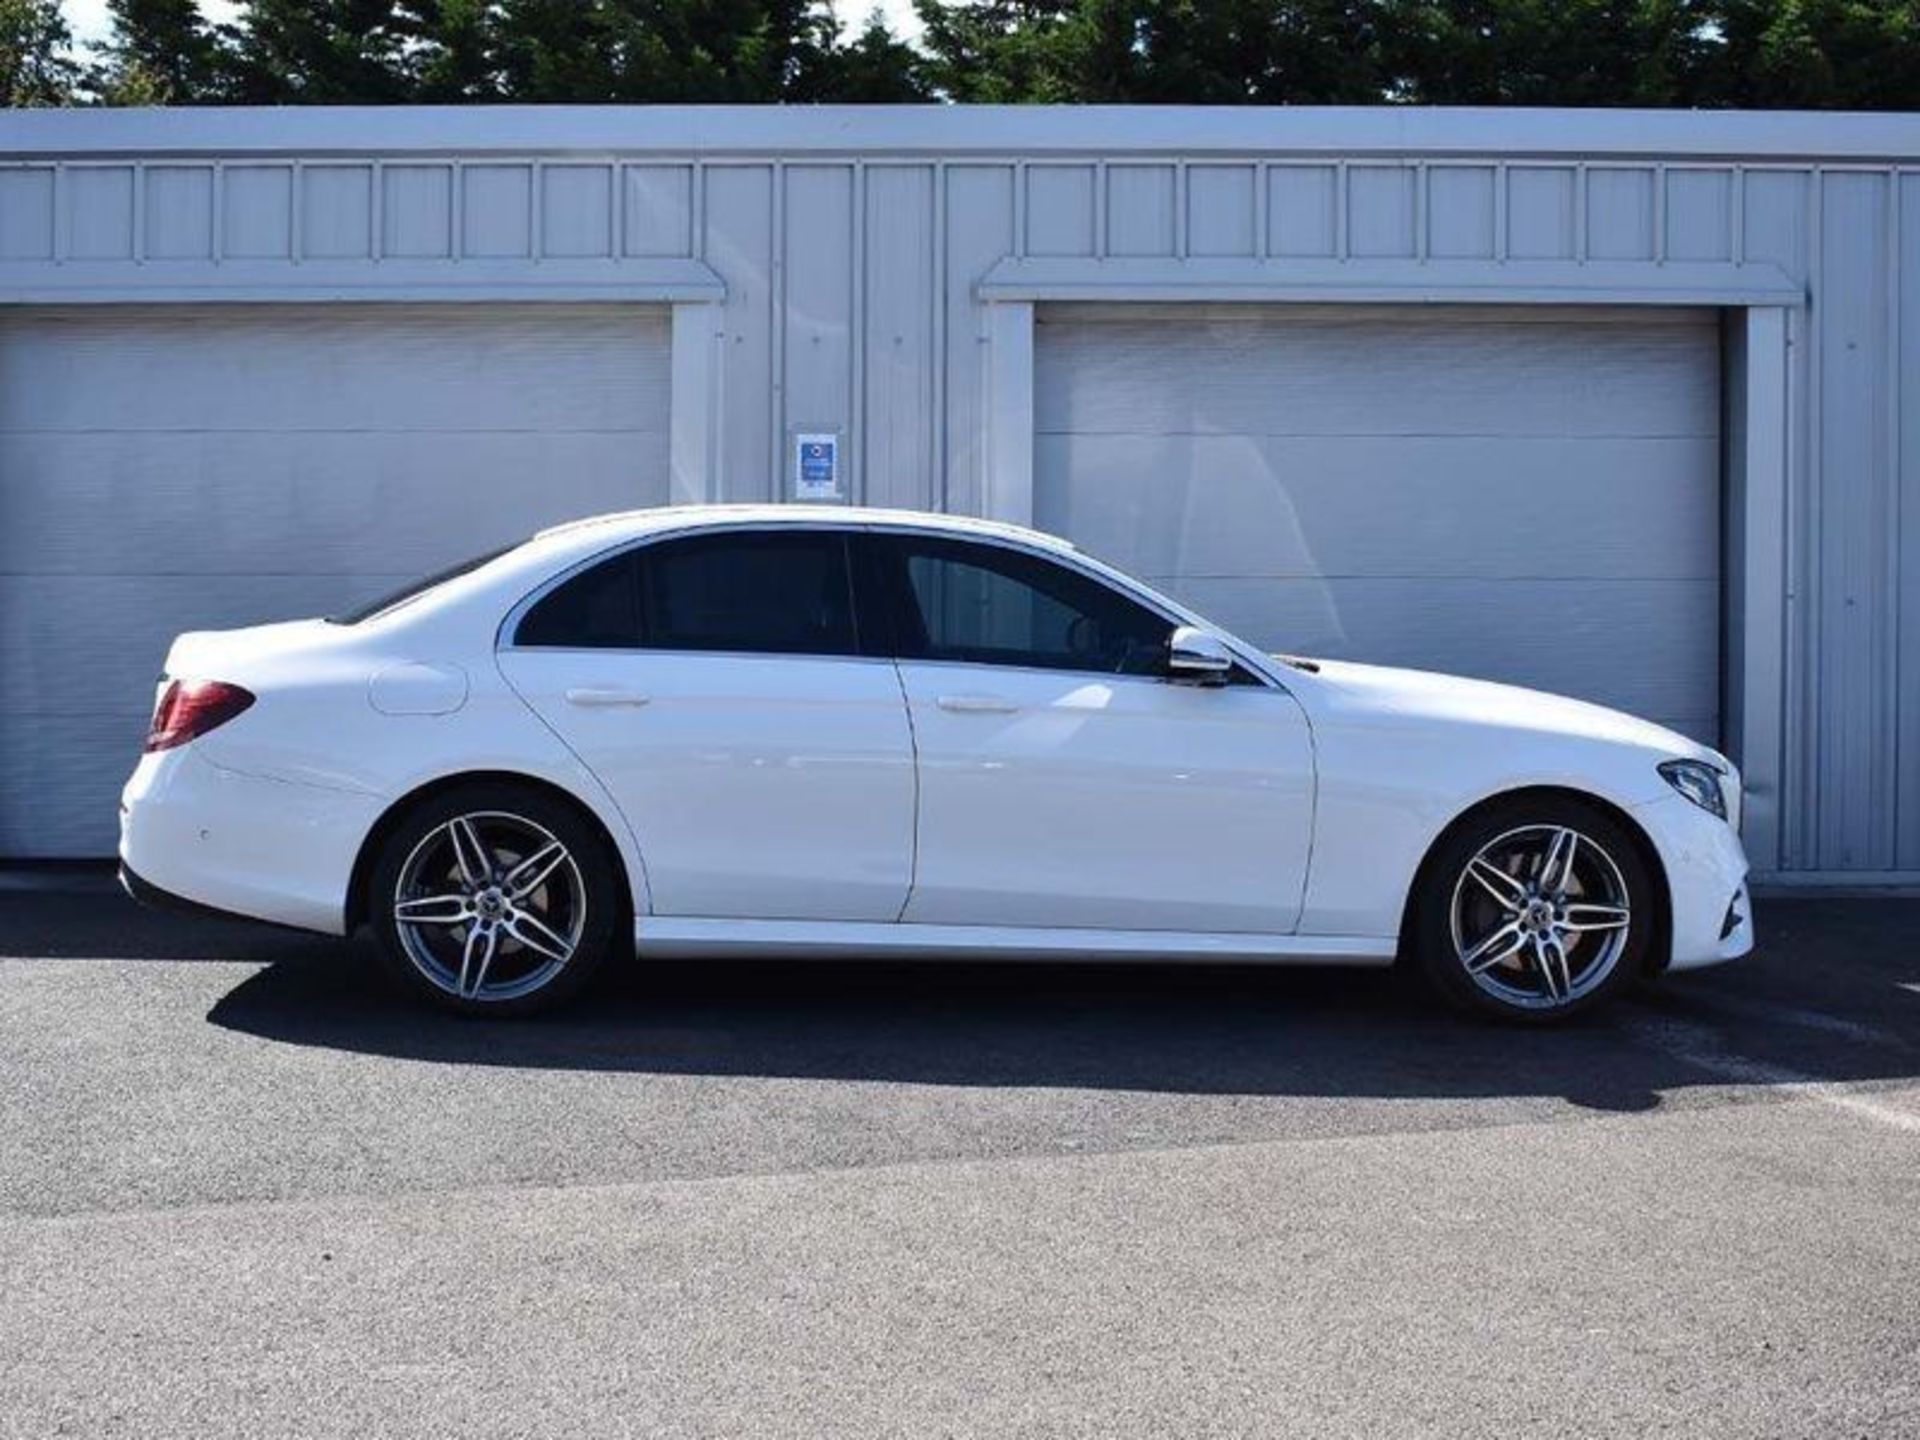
x,y
1834,994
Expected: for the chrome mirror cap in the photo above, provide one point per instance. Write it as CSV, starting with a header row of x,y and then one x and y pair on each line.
x,y
1199,656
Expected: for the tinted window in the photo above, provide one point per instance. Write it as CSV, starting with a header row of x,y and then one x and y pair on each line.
x,y
992,606
783,593
414,589
765,593
598,609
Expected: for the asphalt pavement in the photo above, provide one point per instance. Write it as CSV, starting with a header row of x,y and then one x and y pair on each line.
x,y
248,1190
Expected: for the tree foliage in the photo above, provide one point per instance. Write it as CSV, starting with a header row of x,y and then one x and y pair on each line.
x,y
1833,54
36,61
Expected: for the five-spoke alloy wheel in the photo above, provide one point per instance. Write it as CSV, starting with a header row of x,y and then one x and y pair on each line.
x,y
1533,910
494,902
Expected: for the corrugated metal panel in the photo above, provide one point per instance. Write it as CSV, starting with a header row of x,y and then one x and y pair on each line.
x,y
1061,201
336,210
1620,214
576,211
258,212
659,209
1541,212
1140,209
164,470
737,241
817,359
1852,749
1460,211
1303,210
1381,208
898,440
1904,528
100,212
416,211
496,213
980,230
1222,205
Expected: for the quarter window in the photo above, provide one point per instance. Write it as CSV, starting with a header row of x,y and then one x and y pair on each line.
x,y
598,609
988,605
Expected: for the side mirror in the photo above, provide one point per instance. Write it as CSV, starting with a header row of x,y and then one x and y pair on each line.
x,y
1197,657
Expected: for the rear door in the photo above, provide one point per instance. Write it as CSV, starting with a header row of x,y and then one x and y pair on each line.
x,y
716,684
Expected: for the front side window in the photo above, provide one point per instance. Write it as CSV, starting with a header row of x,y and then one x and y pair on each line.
x,y
752,592
989,605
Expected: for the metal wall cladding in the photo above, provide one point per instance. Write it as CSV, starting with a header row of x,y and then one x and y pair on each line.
x,y
851,274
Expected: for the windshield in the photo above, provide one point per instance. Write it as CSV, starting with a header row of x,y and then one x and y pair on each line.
x,y
414,589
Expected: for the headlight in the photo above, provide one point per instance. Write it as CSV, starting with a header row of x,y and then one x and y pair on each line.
x,y
1699,782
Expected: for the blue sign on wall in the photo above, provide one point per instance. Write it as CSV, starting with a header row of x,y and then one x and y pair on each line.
x,y
816,467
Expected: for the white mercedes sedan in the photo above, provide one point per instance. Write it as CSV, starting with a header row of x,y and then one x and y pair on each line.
x,y
834,732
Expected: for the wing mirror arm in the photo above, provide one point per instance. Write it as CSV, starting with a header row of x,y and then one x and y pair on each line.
x,y
1197,657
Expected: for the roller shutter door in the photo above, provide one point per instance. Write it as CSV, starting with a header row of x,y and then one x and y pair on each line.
x,y
1525,495
172,468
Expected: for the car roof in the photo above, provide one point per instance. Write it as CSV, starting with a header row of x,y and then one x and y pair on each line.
x,y
632,523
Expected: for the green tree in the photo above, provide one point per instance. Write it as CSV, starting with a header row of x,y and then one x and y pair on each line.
x,y
875,68
456,44
1544,52
1153,51
328,52
1817,54
36,54
160,52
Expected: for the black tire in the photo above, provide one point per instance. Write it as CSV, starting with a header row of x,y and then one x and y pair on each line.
x,y
534,950
1456,912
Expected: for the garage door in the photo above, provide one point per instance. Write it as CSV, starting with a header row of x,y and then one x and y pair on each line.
x,y
164,469
1529,496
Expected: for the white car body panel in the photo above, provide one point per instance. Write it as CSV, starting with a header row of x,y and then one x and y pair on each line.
x,y
775,786
1047,799
1068,825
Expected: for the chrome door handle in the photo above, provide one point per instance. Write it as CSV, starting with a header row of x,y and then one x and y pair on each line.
x,y
604,698
977,704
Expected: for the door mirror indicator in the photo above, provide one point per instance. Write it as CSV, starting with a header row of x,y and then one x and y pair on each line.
x,y
1198,657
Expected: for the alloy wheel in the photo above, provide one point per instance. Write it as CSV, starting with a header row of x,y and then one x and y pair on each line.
x,y
489,906
1540,916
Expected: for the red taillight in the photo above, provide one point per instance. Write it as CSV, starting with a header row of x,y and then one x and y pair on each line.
x,y
189,709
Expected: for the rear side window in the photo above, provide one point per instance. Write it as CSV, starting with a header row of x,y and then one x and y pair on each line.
x,y
766,593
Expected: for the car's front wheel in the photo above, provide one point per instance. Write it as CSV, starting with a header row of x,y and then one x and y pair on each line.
x,y
1535,909
494,899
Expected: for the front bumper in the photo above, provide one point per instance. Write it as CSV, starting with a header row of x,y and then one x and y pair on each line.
x,y
1706,880
240,844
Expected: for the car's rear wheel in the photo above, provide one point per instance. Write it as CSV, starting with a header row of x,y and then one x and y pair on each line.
x,y
1535,909
495,900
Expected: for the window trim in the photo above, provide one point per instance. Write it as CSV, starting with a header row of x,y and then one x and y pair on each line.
x,y
1255,665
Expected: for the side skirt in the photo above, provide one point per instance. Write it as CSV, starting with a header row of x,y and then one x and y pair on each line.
x,y
685,938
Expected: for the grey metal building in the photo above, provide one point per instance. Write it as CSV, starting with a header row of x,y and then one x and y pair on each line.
x,y
1613,403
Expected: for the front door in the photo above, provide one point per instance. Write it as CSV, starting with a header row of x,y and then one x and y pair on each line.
x,y
1064,780
715,684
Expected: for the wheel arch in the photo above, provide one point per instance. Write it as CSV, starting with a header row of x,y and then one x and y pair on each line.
x,y
1658,953
360,878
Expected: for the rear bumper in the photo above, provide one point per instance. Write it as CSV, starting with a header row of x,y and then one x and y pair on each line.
x,y
192,833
